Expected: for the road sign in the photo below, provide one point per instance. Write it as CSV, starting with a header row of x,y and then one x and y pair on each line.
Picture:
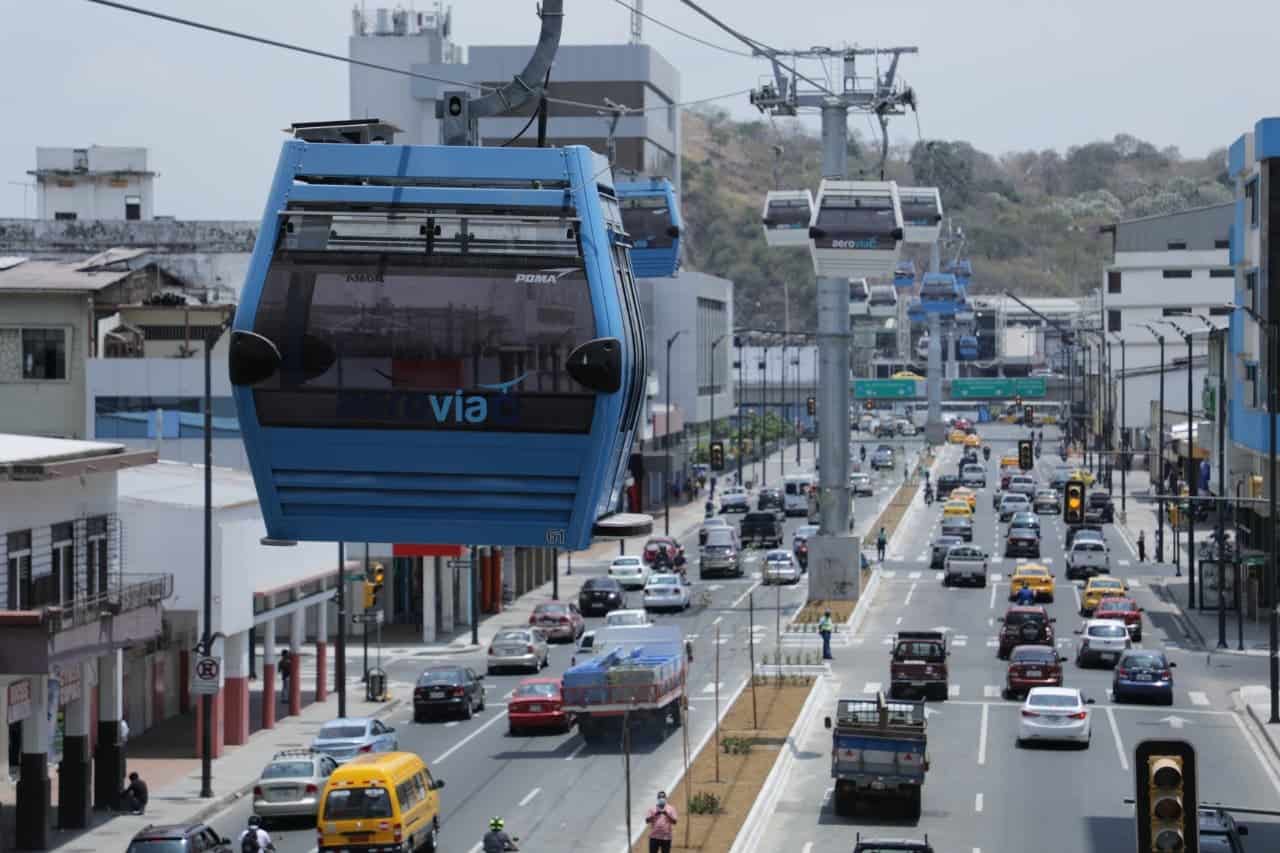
x,y
458,565
369,617
969,389
884,389
206,676
353,577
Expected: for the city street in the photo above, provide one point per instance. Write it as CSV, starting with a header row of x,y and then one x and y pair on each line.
x,y
554,792
983,793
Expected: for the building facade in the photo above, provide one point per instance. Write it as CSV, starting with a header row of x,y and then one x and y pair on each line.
x,y
97,182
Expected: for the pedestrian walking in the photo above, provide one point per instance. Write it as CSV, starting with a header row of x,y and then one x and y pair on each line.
x,y
662,820
825,626
285,668
1142,546
882,542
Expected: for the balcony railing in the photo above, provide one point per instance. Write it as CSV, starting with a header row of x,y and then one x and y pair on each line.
x,y
128,591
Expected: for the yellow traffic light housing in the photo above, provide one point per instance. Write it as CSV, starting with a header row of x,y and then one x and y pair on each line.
x,y
1073,503
717,456
1167,797
373,580
1026,455
370,595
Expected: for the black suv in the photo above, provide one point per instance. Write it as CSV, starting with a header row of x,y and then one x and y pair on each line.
x,y
884,845
1220,832
944,485
601,595
1099,509
179,838
770,499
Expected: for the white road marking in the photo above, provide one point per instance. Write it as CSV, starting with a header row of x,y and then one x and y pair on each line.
x,y
887,641
1075,592
991,691
937,576
994,588
1122,562
856,641
451,724
807,848
691,636
1115,733
711,688
1135,583
527,797
997,577
477,849
871,687
717,620
743,597
982,740
954,691
722,641
1110,695
993,642
575,752
891,573
907,602
960,640
977,802
991,621
914,575
460,744
997,559
1198,697
1258,752
898,621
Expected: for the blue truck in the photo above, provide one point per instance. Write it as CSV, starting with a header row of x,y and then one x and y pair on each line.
x,y
879,753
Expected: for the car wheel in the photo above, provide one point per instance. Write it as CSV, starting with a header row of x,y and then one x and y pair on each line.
x,y
481,708
1019,743
467,710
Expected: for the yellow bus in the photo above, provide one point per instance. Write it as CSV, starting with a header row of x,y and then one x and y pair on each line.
x,y
380,801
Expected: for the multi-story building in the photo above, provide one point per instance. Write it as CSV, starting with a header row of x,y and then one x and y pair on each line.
x,y
632,75
97,182
1170,267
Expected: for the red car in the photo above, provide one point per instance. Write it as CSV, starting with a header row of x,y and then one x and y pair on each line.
x,y
561,621
537,703
653,545
1124,609
1032,666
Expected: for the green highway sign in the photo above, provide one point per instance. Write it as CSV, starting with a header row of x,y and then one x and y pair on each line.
x,y
884,389
970,389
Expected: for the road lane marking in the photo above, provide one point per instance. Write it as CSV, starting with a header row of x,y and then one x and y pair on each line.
x,y
575,752
871,687
743,597
898,621
1122,562
1198,697
1115,734
451,724
960,640
807,848
717,620
887,641
914,575
997,577
910,592
991,691
937,576
527,797
994,588
711,688
477,849
715,586
1075,591
460,744
1258,752
977,802
953,691
891,573
982,740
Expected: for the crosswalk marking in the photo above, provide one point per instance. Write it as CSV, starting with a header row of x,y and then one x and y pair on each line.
x,y
871,687
997,577
960,640
954,691
992,642
991,691
914,575
711,688
1122,562
997,559
1134,584
888,573
856,641
937,576
1198,697
1110,695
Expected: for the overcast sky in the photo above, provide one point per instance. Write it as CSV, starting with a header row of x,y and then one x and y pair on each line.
x,y
1002,75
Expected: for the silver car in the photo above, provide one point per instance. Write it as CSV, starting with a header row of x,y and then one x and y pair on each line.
x,y
734,499
861,484
1013,503
347,737
290,785
1102,641
780,567
974,476
518,647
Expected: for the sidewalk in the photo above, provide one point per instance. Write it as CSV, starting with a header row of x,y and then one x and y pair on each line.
x,y
175,782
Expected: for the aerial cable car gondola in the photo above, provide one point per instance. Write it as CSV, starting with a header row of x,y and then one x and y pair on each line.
x,y
921,214
915,311
859,298
786,217
967,348
939,293
883,301
439,344
856,228
651,217
904,274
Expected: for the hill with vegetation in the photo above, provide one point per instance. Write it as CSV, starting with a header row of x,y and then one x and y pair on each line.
x,y
1031,218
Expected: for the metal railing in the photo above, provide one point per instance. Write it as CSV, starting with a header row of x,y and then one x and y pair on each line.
x,y
127,591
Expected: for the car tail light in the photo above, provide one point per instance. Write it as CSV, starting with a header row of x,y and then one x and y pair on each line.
x,y
368,747
1164,673
397,832
1078,715
257,790
1122,673
529,649
564,620
491,650
310,789
458,691
1027,713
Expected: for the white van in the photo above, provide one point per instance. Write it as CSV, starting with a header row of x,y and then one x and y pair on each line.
x,y
795,493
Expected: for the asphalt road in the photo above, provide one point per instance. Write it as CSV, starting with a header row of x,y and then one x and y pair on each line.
x,y
554,792
984,794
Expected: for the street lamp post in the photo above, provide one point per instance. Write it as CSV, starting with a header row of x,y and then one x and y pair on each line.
x,y
1220,423
1109,420
1190,469
762,427
782,408
796,387
738,404
666,490
1160,451
1124,433
712,428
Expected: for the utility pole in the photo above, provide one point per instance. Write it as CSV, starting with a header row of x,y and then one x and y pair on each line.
x,y
637,21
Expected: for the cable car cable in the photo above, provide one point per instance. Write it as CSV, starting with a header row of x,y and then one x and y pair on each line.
x,y
537,112
678,32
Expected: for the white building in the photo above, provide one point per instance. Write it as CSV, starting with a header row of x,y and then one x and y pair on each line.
x,y
97,182
1166,268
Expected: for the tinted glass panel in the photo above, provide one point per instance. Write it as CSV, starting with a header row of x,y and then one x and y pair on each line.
x,y
794,213
647,219
1052,701
288,769
341,731
166,845
919,213
1026,655
447,342
868,224
356,804
1107,631
536,690
439,676
1141,661
1016,619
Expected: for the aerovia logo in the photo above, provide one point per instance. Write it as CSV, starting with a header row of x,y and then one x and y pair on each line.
x,y
550,276
444,409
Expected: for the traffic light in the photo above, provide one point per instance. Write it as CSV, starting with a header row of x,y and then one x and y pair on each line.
x,y
370,595
1167,813
1073,503
1028,415
812,404
373,584
1026,455
717,456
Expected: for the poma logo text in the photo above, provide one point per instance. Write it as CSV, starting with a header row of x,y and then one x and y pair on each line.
x,y
549,276
443,409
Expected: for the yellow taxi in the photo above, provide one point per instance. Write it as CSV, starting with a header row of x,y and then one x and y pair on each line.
x,y
957,436
1099,588
386,800
1035,576
1083,476
1009,462
907,374
972,440
963,493
957,507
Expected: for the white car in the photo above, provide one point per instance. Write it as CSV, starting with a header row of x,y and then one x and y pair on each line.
x,y
624,618
1023,484
1055,714
780,567
965,563
1087,557
861,484
1011,503
734,499
1102,641
630,572
666,592
907,428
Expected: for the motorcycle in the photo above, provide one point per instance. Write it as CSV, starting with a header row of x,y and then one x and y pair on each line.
x,y
986,454
928,495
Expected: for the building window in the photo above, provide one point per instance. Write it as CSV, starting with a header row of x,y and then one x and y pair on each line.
x,y
1176,273
44,354
1222,244
1113,281
1251,203
64,216
1251,377
21,590
1176,245
96,571
1251,290
712,323
1176,311
133,207
64,562
1222,272
1114,320
1220,311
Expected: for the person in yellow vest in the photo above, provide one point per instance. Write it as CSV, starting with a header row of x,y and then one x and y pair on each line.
x,y
825,627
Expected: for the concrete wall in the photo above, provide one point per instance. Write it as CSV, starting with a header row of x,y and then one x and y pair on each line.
x,y
53,407
669,305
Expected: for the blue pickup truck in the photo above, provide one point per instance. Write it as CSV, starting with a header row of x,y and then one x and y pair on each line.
x,y
879,753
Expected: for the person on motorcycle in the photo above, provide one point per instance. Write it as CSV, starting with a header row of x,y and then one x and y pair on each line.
x,y
862,452
986,453
1025,596
495,840
255,839
928,493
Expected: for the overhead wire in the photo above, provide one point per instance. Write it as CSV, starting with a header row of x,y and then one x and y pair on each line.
x,y
680,32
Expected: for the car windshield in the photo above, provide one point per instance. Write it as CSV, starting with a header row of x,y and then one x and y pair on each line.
x,y
664,580
779,557
1027,654
539,690
1032,573
1107,631
1022,532
1022,617
626,562
1143,660
1121,604
160,845
1052,700
598,583
552,609
1088,545
441,676
288,770
356,804
336,731
513,637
